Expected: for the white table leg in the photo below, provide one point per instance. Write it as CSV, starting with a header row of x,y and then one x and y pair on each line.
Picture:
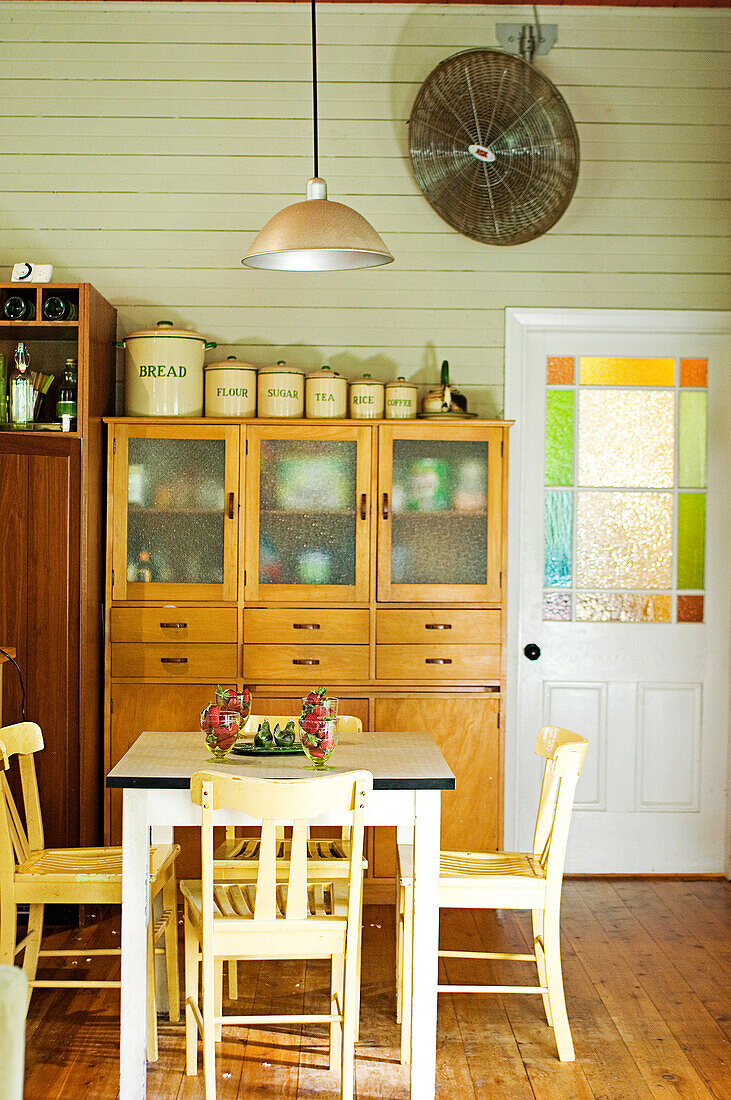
x,y
135,908
426,944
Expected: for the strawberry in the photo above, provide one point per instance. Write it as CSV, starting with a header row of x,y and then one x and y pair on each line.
x,y
213,714
313,698
320,711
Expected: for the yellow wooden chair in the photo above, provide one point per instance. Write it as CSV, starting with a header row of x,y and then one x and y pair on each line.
x,y
267,919
510,880
327,857
33,875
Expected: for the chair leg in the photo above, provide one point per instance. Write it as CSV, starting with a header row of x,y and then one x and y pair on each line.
x,y
554,980
8,930
209,1027
538,949
357,977
406,957
191,995
348,1041
233,979
151,993
337,984
32,948
219,995
170,905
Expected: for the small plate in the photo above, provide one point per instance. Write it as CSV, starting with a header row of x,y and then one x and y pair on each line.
x,y
447,416
248,748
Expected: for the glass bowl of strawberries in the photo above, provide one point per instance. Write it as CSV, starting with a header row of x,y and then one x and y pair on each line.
x,y
220,729
238,702
319,727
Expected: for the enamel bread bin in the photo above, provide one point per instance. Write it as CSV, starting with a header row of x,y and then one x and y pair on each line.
x,y
163,371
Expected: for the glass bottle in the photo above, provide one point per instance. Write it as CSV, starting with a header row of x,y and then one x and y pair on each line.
x,y
144,568
3,390
19,309
66,403
56,308
22,394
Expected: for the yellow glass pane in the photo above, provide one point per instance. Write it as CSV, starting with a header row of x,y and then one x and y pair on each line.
x,y
623,540
622,607
626,438
602,371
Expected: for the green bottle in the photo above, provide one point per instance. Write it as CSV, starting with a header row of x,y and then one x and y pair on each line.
x,y
66,403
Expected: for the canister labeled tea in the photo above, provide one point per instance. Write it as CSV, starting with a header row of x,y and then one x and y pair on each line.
x,y
230,388
401,399
366,398
326,394
281,391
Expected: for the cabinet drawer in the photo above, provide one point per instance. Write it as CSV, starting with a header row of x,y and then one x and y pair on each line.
x,y
175,662
173,624
302,625
309,664
431,626
437,662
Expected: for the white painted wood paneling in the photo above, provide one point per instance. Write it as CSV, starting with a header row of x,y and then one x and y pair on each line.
x,y
144,145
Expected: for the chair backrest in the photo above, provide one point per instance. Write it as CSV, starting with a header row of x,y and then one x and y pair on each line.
x,y
346,722
269,801
564,752
19,837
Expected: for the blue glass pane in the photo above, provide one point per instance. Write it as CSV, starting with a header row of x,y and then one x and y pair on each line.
x,y
558,528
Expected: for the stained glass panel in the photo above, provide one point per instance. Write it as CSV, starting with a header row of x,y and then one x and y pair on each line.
x,y
622,607
556,607
623,540
558,523
626,438
560,370
559,437
690,609
692,439
691,539
603,371
693,372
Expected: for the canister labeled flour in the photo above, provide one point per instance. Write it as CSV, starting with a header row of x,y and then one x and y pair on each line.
x,y
366,398
281,391
163,371
401,399
230,388
326,394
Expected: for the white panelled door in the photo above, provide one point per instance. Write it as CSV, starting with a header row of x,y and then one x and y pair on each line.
x,y
619,578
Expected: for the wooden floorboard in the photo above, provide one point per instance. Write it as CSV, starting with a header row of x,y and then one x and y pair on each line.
x,y
647,965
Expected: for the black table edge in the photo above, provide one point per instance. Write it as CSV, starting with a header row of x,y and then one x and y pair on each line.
x,y
174,784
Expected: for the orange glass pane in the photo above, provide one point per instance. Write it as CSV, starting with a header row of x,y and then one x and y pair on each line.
x,y
560,370
690,609
693,372
595,371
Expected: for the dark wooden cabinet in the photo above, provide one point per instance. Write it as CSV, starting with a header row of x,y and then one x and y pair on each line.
x,y
52,506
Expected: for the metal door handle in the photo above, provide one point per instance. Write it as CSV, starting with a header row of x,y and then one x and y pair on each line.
x,y
174,626
231,499
385,505
173,660
437,626
305,661
438,660
363,506
305,626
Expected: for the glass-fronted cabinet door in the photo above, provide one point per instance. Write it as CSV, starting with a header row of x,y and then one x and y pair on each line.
x,y
175,521
308,513
439,512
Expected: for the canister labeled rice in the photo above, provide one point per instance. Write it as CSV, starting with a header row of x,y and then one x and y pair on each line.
x,y
401,399
163,371
230,388
281,391
326,394
366,398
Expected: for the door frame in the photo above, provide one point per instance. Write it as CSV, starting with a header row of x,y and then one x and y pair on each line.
x,y
519,324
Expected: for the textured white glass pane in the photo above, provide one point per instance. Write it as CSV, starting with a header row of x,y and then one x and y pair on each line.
x,y
623,540
626,438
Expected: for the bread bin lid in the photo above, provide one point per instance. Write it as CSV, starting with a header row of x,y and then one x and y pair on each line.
x,y
366,380
401,383
325,372
230,363
282,368
167,329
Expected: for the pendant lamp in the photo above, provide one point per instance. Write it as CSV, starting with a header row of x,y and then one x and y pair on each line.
x,y
317,235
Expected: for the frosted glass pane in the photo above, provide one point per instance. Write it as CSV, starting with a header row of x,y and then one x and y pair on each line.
x,y
439,510
559,437
558,523
605,371
621,607
623,540
556,606
307,517
175,511
691,539
692,440
626,438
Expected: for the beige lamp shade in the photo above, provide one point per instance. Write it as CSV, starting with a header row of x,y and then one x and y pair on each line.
x,y
317,235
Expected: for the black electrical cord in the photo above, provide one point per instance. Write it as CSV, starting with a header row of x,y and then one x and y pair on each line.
x,y
314,89
20,677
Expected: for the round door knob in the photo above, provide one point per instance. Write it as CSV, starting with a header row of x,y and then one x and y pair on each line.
x,y
532,651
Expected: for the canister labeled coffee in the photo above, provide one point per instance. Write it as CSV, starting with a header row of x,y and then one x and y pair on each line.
x,y
401,399
230,388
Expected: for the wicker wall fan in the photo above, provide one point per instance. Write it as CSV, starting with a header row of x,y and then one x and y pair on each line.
x,y
494,147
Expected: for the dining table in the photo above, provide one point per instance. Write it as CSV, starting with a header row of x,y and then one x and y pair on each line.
x,y
409,775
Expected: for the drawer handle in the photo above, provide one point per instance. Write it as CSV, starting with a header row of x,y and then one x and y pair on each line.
x,y
231,505
437,626
438,660
173,660
305,626
305,661
385,505
174,626
363,512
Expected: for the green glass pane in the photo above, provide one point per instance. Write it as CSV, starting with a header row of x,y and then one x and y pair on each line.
x,y
691,539
558,528
559,437
692,440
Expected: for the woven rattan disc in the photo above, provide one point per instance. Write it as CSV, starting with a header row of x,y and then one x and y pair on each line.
x,y
494,147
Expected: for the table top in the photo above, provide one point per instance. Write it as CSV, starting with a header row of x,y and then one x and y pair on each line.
x,y
397,761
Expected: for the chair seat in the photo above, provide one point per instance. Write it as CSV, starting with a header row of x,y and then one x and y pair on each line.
x,y
236,901
89,865
465,876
